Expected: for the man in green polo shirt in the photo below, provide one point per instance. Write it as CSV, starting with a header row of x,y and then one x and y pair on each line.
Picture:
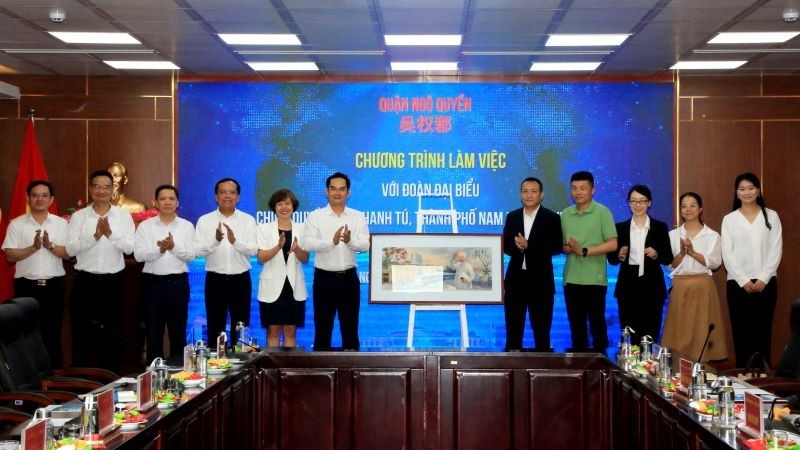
x,y
589,233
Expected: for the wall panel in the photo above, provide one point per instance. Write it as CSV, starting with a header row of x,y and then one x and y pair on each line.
x,y
710,86
143,146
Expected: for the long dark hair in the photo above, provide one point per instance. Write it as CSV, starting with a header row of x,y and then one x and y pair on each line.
x,y
753,178
699,201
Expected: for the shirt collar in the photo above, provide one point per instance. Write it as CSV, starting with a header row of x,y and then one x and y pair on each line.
x,y
331,212
589,208
533,214
223,216
646,223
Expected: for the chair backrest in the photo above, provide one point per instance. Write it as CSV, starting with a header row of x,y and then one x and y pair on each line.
x,y
31,337
15,362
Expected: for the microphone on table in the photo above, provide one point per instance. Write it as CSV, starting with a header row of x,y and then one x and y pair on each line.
x,y
122,338
711,327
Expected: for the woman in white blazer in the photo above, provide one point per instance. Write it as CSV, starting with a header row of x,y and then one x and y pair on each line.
x,y
282,285
752,246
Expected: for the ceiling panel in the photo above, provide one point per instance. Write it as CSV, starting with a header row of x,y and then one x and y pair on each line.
x,y
184,31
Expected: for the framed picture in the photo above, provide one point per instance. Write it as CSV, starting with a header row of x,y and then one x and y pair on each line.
x,y
436,268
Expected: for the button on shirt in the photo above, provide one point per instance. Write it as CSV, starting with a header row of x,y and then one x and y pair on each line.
x,y
322,224
222,257
706,243
104,255
636,249
172,261
527,224
42,264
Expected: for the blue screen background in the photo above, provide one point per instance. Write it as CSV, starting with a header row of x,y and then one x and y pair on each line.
x,y
293,135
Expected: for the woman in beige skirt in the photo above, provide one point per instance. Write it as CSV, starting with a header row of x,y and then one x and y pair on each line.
x,y
694,301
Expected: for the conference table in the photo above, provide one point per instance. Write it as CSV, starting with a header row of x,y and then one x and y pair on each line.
x,y
428,400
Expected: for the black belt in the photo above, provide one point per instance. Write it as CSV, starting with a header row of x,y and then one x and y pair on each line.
x,y
169,277
227,276
41,281
335,273
97,276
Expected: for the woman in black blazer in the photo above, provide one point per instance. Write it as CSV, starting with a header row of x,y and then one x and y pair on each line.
x,y
643,248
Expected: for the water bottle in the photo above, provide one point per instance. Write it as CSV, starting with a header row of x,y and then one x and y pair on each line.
x,y
698,387
727,404
222,344
625,350
664,365
202,357
189,358
159,374
89,416
646,353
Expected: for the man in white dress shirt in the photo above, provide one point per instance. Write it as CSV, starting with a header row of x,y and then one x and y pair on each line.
x,y
98,237
226,237
335,233
35,242
164,244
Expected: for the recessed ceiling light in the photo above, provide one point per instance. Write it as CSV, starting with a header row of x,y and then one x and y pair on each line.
x,y
260,39
144,65
585,40
753,38
284,66
424,66
564,66
94,38
700,65
423,39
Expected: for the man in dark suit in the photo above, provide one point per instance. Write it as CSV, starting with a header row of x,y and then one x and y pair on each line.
x,y
531,236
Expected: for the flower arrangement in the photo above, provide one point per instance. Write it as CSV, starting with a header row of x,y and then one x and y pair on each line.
x,y
395,255
138,217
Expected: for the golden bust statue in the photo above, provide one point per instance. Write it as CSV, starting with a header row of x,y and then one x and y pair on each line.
x,y
119,176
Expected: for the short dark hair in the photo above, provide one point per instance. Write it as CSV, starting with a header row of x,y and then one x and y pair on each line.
x,y
534,180
35,183
643,190
101,173
582,175
225,180
337,175
281,195
167,186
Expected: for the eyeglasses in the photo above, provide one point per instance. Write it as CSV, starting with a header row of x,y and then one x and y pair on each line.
x,y
638,202
38,196
101,187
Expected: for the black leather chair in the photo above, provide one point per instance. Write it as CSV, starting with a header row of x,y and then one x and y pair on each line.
x,y
32,340
27,398
9,418
789,365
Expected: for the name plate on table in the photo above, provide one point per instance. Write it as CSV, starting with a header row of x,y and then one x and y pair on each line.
x,y
34,437
753,414
105,411
685,374
145,390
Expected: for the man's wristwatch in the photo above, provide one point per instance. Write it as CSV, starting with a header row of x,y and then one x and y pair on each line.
x,y
585,252
52,246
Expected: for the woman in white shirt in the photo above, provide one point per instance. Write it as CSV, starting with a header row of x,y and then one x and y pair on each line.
x,y
282,285
694,300
751,249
